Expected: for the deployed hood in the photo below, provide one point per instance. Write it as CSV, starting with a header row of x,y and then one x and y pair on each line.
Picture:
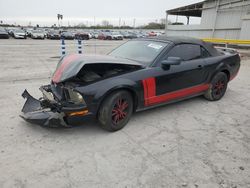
x,y
70,65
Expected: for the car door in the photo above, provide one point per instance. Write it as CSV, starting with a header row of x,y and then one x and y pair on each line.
x,y
187,78
189,73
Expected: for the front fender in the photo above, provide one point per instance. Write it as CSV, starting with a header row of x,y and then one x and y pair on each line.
x,y
114,85
97,92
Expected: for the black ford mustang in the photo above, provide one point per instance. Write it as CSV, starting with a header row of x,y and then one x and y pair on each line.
x,y
138,75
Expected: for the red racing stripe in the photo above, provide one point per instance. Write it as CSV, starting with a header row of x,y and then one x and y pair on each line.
x,y
150,97
151,87
57,75
177,94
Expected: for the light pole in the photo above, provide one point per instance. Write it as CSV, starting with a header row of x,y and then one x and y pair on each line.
x,y
59,16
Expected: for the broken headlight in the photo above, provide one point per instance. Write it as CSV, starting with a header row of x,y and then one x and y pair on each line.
x,y
74,97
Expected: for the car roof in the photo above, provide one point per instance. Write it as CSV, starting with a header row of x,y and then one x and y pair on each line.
x,y
177,39
182,40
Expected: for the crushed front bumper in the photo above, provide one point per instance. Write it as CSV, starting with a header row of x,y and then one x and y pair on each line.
x,y
34,112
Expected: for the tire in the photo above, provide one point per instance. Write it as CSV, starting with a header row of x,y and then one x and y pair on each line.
x,y
217,87
116,111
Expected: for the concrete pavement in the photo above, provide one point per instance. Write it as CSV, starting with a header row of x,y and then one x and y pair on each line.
x,y
193,143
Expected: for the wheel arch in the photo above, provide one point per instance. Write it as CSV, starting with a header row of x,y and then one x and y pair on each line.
x,y
222,67
227,73
120,88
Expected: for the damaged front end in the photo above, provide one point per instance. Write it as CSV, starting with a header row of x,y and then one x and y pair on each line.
x,y
62,104
57,108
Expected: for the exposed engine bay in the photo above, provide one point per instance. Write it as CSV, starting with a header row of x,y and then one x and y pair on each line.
x,y
62,104
97,71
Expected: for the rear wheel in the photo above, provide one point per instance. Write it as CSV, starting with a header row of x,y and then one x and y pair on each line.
x,y
217,88
116,111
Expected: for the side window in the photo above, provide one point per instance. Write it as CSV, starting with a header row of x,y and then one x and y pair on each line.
x,y
185,51
204,53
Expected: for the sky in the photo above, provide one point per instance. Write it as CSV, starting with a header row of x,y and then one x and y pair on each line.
x,y
88,12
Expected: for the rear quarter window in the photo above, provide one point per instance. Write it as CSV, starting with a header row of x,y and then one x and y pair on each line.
x,y
204,53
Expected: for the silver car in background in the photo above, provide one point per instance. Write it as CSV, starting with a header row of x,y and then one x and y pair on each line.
x,y
37,34
19,34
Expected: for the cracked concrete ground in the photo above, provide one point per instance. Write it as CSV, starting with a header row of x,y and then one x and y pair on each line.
x,y
193,143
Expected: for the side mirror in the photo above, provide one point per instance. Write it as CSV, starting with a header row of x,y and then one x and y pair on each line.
x,y
171,61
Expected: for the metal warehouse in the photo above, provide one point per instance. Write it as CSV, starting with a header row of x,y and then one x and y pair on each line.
x,y
228,19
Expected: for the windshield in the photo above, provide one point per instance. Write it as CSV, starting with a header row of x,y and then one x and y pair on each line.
x,y
68,33
142,51
37,31
19,31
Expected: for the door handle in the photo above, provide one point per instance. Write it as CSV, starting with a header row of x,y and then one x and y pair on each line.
x,y
200,66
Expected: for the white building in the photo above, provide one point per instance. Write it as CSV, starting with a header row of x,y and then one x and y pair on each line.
x,y
227,19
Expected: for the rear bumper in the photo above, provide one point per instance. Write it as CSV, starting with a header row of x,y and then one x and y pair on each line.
x,y
4,36
54,37
34,112
38,37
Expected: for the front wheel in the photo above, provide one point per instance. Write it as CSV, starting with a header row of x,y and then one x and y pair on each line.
x,y
217,88
116,111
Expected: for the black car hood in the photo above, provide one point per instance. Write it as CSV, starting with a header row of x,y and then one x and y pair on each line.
x,y
70,65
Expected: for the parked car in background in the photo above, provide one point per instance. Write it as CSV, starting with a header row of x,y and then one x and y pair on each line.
x,y
37,34
152,34
68,35
95,34
105,36
10,30
81,35
28,32
4,34
101,36
53,35
116,36
140,34
19,34
128,34
90,34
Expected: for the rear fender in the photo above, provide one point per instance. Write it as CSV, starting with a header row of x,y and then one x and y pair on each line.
x,y
230,64
220,68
